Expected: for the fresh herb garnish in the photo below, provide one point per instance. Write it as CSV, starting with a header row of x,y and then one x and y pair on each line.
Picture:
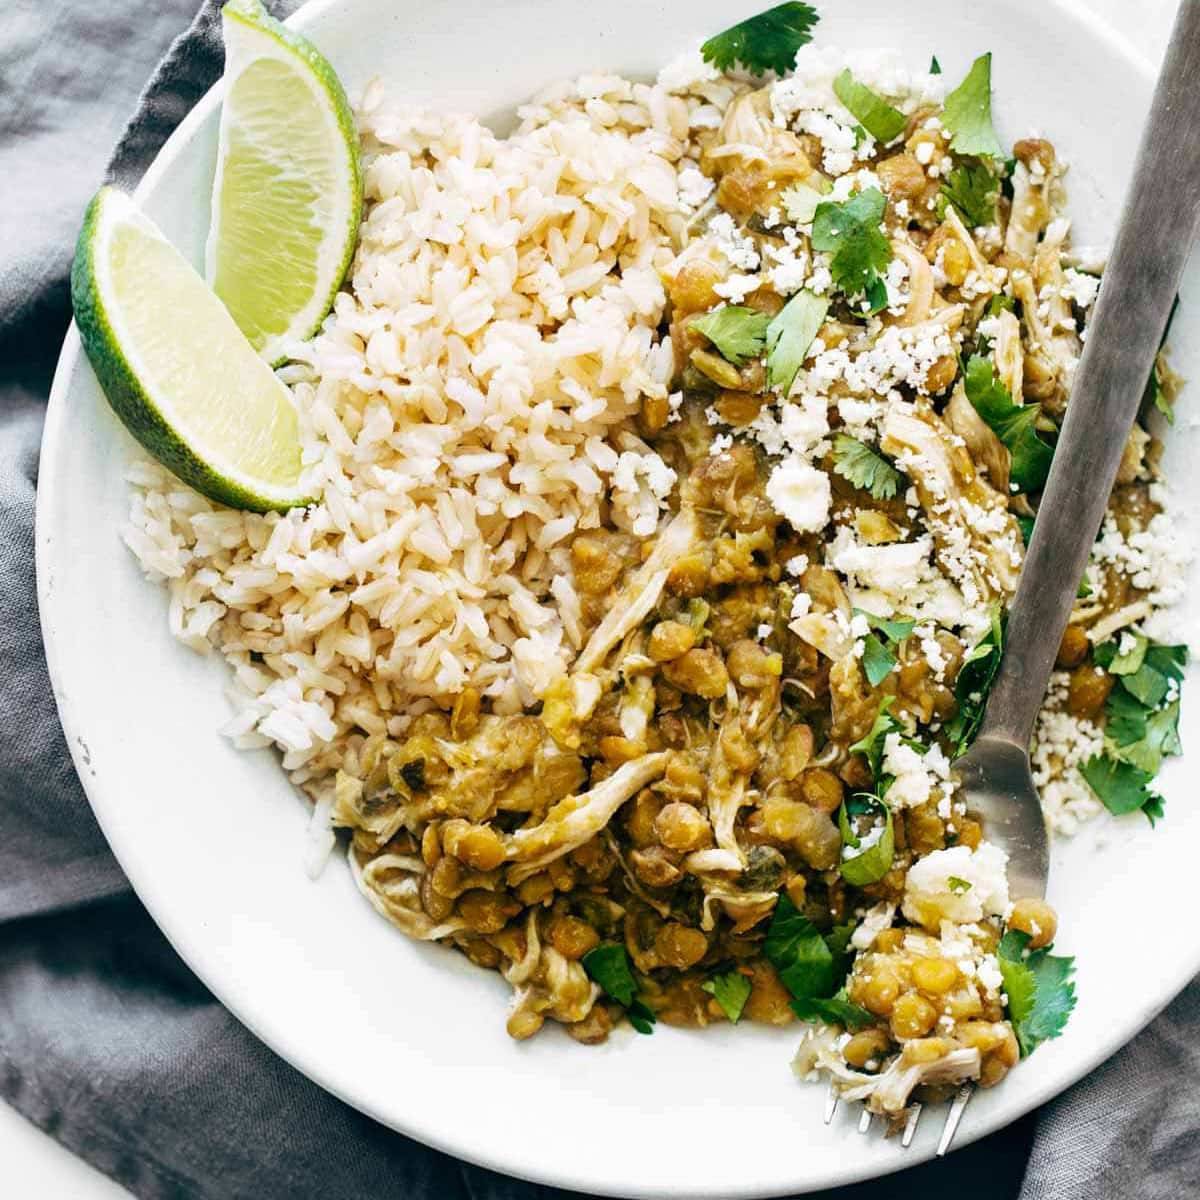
x,y
850,231
1145,669
833,1010
767,42
894,631
1141,722
731,990
935,67
874,113
974,682
958,886
800,202
967,112
799,954
1013,424
608,966
870,745
878,659
789,336
1040,993
973,190
810,965
865,468
1121,787
739,333
876,848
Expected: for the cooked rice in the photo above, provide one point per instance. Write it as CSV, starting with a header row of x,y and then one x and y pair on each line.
x,y
460,411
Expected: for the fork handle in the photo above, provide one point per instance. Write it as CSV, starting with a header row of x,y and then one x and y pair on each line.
x,y
1154,238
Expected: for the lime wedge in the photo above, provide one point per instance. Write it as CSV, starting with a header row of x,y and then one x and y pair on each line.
x,y
287,198
174,366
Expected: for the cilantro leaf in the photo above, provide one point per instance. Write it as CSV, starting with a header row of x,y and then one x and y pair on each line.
x,y
798,952
1122,662
1041,996
973,190
975,679
731,990
810,964
1125,715
849,230
1153,810
894,631
1121,787
1159,740
835,1010
876,849
864,467
874,113
1012,423
1141,725
789,336
967,112
878,661
739,333
870,745
1160,666
767,42
800,202
838,941
608,966
935,67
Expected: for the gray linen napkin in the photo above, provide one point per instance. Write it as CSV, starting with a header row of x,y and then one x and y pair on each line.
x,y
107,1040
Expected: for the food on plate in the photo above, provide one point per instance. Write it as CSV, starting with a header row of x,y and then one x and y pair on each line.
x,y
287,198
675,458
188,386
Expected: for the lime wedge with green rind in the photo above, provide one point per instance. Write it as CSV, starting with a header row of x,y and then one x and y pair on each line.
x,y
287,198
175,367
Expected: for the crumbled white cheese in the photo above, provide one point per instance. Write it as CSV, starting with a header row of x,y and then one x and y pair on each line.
x,y
874,921
694,186
737,287
916,777
930,899
801,604
739,249
1060,743
641,484
800,493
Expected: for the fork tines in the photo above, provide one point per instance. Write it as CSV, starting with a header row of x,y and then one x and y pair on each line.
x,y
912,1114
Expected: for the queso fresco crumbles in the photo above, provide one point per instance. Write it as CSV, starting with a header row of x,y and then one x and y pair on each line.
x,y
677,457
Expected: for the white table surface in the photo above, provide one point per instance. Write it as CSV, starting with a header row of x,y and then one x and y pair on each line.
x,y
35,1166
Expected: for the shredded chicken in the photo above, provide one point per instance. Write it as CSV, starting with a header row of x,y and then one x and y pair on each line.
x,y
965,513
573,821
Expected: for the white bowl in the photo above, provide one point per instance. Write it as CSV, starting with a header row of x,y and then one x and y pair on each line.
x,y
212,839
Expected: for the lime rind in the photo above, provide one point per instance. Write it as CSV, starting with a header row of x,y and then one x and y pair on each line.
x,y
251,36
131,389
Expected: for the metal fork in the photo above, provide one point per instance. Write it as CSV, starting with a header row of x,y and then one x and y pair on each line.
x,y
1157,229
912,1114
